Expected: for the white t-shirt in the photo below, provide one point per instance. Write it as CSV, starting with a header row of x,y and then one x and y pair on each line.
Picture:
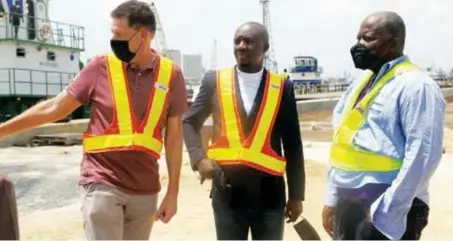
x,y
248,85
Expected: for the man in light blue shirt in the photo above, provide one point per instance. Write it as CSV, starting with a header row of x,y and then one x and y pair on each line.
x,y
403,122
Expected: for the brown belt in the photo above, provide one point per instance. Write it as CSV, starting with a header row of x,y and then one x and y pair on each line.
x,y
9,227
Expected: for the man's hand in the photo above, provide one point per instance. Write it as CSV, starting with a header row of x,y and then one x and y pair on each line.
x,y
293,210
327,219
205,168
168,208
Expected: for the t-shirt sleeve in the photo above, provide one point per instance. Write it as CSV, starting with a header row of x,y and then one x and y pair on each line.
x,y
177,96
83,85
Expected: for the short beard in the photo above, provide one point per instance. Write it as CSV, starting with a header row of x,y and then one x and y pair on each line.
x,y
244,65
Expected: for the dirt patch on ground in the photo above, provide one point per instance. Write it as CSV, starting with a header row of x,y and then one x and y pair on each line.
x,y
194,218
319,115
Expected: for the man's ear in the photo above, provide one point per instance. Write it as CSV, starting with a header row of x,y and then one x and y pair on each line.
x,y
398,45
145,34
148,35
266,47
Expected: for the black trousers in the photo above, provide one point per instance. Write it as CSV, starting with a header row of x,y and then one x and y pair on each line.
x,y
234,223
351,222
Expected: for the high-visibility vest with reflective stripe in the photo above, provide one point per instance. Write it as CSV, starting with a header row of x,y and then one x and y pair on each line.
x,y
285,75
232,147
124,132
344,154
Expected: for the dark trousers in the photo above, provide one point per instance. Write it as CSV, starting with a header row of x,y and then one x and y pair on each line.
x,y
234,223
16,31
9,228
351,222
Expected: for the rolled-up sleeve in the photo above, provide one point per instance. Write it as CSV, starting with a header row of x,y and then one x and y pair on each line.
x,y
83,85
177,105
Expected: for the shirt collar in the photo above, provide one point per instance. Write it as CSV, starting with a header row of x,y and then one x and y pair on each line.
x,y
150,66
257,73
387,66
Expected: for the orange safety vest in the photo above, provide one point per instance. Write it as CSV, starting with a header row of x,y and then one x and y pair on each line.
x,y
124,132
232,147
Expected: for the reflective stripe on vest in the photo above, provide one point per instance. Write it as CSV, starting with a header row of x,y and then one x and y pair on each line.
x,y
232,147
125,133
344,154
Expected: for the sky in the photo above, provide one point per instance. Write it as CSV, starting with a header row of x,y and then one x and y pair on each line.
x,y
325,29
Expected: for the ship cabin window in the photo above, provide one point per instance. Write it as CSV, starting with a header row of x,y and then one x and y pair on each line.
x,y
20,52
300,62
51,56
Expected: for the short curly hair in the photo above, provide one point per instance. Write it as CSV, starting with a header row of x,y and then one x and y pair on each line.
x,y
137,13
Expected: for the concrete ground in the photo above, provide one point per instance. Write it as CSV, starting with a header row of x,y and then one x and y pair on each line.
x,y
49,201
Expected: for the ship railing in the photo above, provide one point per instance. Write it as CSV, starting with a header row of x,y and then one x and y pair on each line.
x,y
43,31
301,89
33,83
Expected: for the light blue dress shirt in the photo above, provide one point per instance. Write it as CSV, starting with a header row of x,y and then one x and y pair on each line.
x,y
405,121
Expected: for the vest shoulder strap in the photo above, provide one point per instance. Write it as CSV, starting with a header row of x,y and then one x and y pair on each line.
x,y
398,69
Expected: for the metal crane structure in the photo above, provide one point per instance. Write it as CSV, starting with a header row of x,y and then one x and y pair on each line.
x,y
270,62
159,43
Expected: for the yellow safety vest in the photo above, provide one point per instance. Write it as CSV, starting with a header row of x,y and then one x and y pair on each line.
x,y
344,154
285,75
231,147
124,133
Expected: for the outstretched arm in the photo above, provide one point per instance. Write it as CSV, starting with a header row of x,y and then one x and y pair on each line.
x,y
78,92
44,112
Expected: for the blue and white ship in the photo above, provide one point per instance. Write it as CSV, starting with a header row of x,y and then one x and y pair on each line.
x,y
305,71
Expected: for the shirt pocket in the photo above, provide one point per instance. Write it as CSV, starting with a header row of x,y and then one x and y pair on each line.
x,y
376,107
380,102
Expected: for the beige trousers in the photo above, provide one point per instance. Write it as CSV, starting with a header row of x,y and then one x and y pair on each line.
x,y
109,213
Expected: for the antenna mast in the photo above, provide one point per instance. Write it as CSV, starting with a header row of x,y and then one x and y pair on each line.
x,y
270,61
159,41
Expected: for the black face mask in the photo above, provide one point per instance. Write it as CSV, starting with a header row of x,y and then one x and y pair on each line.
x,y
121,49
364,58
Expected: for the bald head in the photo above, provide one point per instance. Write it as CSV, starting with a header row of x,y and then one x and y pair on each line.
x,y
390,23
257,28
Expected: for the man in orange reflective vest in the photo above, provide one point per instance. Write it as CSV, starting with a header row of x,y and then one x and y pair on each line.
x,y
254,111
134,93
